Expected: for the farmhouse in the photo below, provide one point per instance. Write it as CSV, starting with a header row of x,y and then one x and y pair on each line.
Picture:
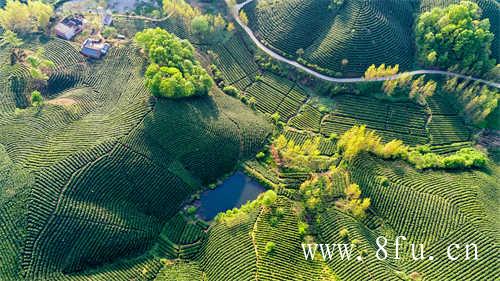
x,y
94,48
108,18
70,26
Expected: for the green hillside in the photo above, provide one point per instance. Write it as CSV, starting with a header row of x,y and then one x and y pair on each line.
x,y
346,39
103,180
92,174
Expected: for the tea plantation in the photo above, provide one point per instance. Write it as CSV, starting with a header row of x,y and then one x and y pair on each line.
x,y
344,39
102,181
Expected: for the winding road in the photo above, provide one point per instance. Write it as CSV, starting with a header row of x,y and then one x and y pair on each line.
x,y
236,9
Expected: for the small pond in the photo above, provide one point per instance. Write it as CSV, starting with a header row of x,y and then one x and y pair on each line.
x,y
235,191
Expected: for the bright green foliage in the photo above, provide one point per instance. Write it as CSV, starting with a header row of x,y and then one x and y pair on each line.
x,y
382,70
23,18
477,101
36,98
39,65
344,233
174,72
455,38
10,38
200,25
356,140
463,159
306,156
268,198
392,150
231,90
314,190
270,247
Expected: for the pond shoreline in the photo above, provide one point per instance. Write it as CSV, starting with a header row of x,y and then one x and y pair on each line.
x,y
232,192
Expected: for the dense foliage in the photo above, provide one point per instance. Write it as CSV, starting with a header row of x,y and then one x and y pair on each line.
x,y
416,88
455,38
173,71
477,102
207,26
353,203
304,156
36,98
358,139
23,18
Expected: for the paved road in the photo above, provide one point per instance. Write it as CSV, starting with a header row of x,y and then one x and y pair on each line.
x,y
238,7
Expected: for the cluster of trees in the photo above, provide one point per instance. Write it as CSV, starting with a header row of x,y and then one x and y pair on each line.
x,y
173,71
303,157
477,102
353,203
206,26
314,190
455,38
266,200
22,18
416,88
374,72
358,139
465,158
40,67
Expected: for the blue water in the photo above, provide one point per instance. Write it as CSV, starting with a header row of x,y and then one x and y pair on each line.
x,y
235,191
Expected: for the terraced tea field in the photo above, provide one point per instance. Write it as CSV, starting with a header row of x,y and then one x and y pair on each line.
x,y
103,172
344,40
103,180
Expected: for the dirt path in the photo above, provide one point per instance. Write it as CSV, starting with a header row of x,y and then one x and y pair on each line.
x,y
238,7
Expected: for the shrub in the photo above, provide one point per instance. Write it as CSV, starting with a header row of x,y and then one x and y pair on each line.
x,y
261,155
36,98
392,150
465,158
268,198
109,32
303,228
344,233
191,210
270,247
231,90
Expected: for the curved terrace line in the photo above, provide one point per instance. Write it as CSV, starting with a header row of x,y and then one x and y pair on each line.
x,y
236,9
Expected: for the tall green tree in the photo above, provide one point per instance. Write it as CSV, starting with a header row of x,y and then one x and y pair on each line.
x,y
455,38
173,71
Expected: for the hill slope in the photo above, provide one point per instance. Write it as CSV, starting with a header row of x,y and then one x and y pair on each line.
x,y
345,40
93,174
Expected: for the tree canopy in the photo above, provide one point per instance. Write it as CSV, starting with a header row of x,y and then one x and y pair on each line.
x,y
173,71
24,18
455,38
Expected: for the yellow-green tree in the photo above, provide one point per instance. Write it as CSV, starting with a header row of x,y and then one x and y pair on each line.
x,y
353,203
244,17
356,140
306,156
24,18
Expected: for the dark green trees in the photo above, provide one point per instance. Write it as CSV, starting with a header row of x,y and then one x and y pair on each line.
x,y
173,71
